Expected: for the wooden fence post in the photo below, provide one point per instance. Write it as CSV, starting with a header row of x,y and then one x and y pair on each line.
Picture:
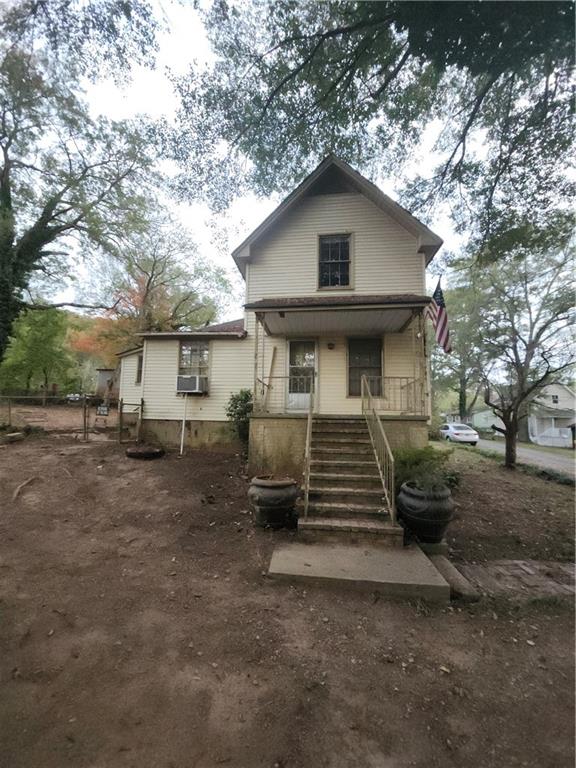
x,y
84,419
9,412
139,422
120,426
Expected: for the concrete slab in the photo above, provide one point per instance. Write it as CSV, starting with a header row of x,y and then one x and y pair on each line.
x,y
403,572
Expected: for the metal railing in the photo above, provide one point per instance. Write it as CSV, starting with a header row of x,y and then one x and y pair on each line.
x,y
308,452
401,395
273,392
392,395
382,451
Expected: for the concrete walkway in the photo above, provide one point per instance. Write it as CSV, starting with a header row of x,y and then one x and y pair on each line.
x,y
391,571
536,457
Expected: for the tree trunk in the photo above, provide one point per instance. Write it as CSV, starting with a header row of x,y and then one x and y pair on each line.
x,y
45,391
462,397
511,438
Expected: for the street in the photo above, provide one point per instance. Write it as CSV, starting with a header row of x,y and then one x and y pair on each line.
x,y
535,456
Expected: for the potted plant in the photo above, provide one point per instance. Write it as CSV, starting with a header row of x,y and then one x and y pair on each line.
x,y
425,505
274,501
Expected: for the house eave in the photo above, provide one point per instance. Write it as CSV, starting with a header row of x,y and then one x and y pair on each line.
x,y
428,242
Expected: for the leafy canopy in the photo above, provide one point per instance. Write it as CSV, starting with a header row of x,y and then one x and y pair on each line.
x,y
293,81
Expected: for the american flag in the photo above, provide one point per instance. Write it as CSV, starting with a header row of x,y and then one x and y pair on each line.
x,y
436,311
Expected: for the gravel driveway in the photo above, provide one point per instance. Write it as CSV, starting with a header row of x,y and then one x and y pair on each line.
x,y
538,458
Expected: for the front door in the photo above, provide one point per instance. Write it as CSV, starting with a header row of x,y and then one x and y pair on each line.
x,y
301,369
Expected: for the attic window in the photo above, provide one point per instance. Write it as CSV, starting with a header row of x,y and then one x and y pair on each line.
x,y
555,399
334,265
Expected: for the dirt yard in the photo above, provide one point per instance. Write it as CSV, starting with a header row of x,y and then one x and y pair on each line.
x,y
138,629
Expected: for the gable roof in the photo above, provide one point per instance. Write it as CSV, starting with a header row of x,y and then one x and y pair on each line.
x,y
428,241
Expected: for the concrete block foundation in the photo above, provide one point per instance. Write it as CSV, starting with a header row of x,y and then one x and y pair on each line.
x,y
197,434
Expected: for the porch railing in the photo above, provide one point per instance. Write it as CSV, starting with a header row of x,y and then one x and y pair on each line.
x,y
308,451
382,451
401,395
273,392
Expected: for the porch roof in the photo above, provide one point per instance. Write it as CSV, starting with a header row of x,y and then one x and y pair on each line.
x,y
337,315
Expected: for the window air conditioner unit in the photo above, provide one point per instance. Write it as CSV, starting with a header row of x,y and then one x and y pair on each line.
x,y
192,385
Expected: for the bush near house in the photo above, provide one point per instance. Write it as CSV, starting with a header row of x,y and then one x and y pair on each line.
x,y
238,412
424,466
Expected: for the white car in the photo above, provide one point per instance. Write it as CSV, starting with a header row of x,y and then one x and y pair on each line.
x,y
459,433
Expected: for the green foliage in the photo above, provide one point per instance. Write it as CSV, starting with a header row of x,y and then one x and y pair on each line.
x,y
423,466
37,355
366,80
238,412
67,180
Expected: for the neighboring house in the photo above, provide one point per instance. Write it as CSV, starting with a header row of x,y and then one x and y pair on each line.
x,y
335,291
550,418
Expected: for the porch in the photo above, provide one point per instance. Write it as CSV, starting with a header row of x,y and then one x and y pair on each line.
x,y
313,353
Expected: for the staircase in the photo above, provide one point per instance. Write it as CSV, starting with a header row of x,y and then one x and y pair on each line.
x,y
346,501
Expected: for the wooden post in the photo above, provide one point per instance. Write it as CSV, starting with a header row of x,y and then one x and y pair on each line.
x,y
9,412
139,422
120,427
84,419
256,360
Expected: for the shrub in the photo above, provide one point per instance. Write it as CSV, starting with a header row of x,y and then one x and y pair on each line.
x,y
238,411
424,466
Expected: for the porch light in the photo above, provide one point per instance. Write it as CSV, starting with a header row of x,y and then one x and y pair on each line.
x,y
330,345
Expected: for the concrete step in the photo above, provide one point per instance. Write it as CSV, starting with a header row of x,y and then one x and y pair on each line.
x,y
359,480
337,429
345,495
390,571
337,509
360,453
338,438
351,530
339,420
351,466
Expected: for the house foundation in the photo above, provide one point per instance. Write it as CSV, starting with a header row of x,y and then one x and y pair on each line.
x,y
197,434
278,442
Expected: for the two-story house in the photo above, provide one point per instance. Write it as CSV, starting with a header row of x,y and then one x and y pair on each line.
x,y
332,335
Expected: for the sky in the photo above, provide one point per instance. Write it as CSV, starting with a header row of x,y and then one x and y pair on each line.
x,y
150,93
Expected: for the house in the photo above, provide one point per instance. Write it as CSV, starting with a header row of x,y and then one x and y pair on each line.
x,y
332,341
549,420
551,417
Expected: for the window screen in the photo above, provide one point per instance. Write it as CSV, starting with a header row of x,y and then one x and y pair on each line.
x,y
193,359
364,359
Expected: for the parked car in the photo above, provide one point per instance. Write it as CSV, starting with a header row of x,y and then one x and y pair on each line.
x,y
74,397
459,433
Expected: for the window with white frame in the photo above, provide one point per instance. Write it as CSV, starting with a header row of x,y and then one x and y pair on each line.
x,y
555,399
139,364
334,261
194,358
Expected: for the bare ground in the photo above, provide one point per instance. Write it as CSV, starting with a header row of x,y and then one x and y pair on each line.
x,y
138,629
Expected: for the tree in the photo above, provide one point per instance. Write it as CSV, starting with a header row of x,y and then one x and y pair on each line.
x,y
90,37
37,353
294,81
66,180
461,370
155,281
526,324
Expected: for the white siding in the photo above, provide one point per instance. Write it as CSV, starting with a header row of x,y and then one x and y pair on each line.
x,y
384,255
231,369
130,391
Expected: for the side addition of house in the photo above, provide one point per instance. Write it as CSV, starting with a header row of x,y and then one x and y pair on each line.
x,y
333,328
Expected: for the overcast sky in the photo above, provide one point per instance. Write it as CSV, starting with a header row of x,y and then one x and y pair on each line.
x,y
150,92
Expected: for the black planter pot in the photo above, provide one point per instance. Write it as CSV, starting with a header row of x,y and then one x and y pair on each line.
x,y
425,513
273,500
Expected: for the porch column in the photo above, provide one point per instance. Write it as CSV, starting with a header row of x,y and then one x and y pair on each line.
x,y
256,333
